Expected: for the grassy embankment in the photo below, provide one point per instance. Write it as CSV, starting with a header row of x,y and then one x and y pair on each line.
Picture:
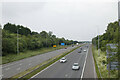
x,y
14,57
102,63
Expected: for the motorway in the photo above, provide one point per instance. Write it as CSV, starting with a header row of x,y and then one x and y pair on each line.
x,y
64,70
89,71
13,68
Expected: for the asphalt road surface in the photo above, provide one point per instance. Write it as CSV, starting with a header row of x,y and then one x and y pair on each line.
x,y
13,68
89,71
64,70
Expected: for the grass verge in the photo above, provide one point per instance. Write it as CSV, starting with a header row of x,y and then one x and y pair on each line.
x,y
102,63
29,53
96,68
32,71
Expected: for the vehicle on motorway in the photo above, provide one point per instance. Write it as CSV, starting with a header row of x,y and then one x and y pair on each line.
x,y
84,50
87,46
65,47
63,60
79,51
75,66
80,48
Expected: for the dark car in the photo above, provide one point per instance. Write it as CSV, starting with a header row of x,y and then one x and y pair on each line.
x,y
86,46
80,48
65,47
79,51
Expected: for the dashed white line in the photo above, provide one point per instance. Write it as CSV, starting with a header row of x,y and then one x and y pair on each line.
x,y
46,68
94,67
1,75
66,75
7,68
7,65
18,69
21,64
11,64
84,64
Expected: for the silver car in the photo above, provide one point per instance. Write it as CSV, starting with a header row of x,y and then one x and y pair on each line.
x,y
75,66
63,60
84,50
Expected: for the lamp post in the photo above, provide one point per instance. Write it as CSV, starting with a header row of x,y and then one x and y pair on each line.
x,y
98,42
98,46
18,40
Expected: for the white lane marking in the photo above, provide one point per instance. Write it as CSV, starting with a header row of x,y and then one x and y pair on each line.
x,y
45,68
79,58
70,74
21,64
66,75
1,75
11,64
8,65
84,64
93,66
7,68
18,69
16,62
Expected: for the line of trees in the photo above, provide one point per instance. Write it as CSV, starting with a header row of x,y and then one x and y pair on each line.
x,y
110,36
28,40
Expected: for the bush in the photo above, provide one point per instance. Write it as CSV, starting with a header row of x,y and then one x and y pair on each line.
x,y
103,62
9,45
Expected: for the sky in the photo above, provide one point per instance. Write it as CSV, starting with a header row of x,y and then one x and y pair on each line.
x,y
79,20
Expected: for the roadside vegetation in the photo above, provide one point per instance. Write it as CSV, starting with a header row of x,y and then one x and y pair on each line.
x,y
30,43
111,36
101,61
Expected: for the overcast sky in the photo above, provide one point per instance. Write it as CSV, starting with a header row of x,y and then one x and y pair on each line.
x,y
72,19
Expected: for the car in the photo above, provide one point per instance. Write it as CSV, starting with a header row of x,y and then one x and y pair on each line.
x,y
63,60
79,51
84,50
65,47
75,66
87,46
80,48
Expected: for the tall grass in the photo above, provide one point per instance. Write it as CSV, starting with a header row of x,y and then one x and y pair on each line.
x,y
101,60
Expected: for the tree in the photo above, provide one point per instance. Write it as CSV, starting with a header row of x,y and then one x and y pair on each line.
x,y
27,40
13,29
110,36
9,45
43,34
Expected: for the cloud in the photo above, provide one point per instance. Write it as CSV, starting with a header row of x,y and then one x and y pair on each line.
x,y
59,0
76,20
